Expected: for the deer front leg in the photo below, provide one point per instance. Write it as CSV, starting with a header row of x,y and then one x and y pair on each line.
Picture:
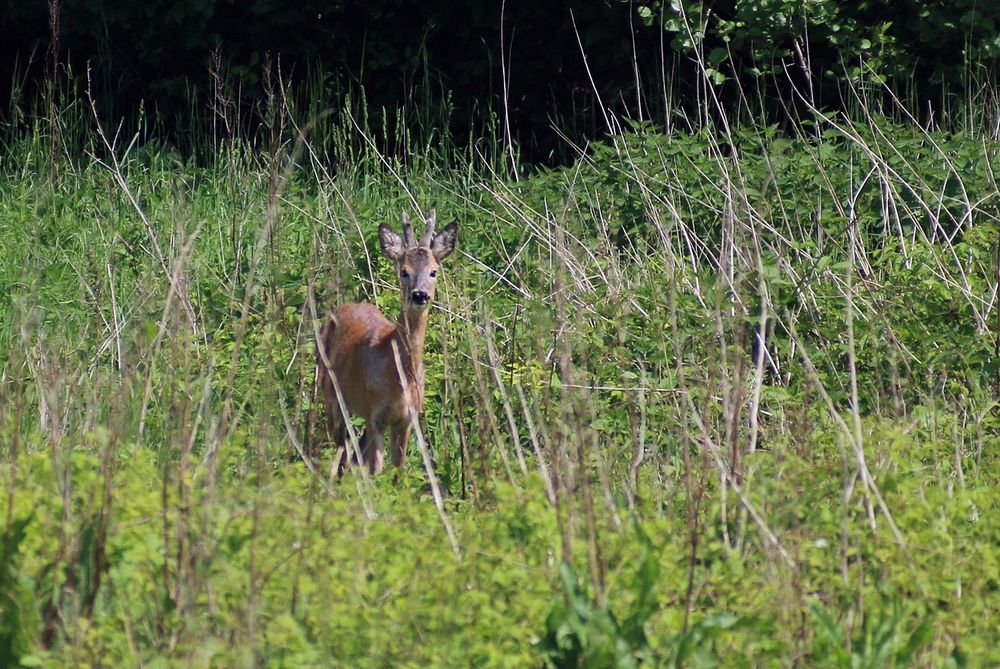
x,y
350,453
400,440
374,450
335,429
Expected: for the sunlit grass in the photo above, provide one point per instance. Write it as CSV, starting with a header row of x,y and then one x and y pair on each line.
x,y
607,431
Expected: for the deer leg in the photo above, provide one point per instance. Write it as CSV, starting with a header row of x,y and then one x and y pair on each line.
x,y
374,451
345,450
400,440
336,428
334,419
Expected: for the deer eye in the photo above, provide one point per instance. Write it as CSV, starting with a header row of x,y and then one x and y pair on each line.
x,y
434,272
404,274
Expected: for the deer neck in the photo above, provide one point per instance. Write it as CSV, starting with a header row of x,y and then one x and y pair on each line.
x,y
412,329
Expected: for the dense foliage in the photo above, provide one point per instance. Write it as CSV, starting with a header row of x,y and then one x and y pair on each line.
x,y
725,396
529,62
916,41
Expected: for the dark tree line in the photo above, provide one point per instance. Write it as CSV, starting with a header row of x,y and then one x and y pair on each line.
x,y
560,58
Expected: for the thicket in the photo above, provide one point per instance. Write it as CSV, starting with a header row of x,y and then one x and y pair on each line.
x,y
717,397
720,391
530,63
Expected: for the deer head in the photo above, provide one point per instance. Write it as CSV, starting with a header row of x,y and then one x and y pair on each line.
x,y
417,262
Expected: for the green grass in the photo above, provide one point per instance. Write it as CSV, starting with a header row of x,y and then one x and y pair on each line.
x,y
691,505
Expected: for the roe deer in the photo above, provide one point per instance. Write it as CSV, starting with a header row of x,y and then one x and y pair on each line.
x,y
357,349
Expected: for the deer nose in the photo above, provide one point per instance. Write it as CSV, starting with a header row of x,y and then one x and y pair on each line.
x,y
419,297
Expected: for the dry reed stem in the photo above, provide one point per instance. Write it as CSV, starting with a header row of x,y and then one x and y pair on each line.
x,y
115,168
425,454
364,484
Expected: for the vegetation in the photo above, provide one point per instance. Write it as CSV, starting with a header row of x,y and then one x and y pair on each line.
x,y
717,393
529,62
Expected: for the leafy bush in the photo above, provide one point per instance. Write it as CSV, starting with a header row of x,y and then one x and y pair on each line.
x,y
624,485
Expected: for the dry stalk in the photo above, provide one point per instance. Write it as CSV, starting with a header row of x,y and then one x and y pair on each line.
x,y
162,326
226,419
426,455
540,457
489,429
494,360
465,470
364,484
115,168
575,425
866,478
716,452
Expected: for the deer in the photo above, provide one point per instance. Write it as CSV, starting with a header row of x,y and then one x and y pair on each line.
x,y
360,352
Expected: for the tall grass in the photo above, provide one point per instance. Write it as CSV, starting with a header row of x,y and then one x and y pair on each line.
x,y
728,393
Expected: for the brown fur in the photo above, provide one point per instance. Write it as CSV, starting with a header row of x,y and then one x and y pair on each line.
x,y
356,349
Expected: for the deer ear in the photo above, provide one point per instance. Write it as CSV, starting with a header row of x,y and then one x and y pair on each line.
x,y
444,242
391,242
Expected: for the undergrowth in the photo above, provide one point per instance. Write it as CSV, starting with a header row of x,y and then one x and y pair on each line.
x,y
723,397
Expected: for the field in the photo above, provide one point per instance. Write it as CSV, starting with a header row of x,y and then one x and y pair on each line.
x,y
722,394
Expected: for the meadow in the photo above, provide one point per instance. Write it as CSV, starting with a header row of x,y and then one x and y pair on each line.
x,y
715,393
